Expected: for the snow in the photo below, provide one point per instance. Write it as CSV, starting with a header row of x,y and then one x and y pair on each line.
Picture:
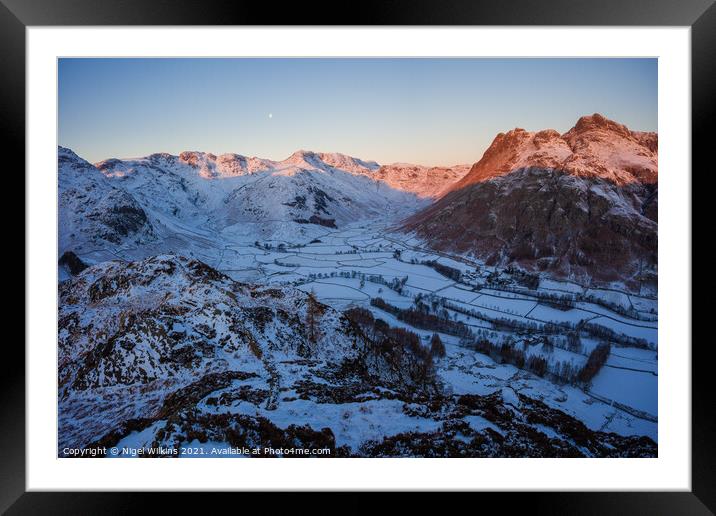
x,y
635,389
509,397
520,307
548,313
610,296
327,291
636,330
459,294
351,423
479,424
136,440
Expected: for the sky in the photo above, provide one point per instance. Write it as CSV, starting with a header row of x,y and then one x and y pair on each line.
x,y
427,111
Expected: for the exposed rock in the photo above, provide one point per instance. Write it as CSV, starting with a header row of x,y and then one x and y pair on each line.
x,y
73,263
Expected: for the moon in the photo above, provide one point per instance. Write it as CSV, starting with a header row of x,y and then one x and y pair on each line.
x,y
270,115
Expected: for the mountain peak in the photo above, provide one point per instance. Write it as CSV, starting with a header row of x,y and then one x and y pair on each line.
x,y
598,122
596,146
65,153
302,153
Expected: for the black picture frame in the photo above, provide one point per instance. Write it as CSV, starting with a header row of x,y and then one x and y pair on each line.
x,y
16,15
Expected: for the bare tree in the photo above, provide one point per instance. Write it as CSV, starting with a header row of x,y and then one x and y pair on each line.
x,y
314,311
437,348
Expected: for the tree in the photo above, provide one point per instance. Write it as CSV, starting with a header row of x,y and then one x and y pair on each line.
x,y
313,317
596,360
537,365
437,348
574,342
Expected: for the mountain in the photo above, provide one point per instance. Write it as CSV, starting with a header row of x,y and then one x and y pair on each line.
x,y
92,210
331,187
151,339
308,188
167,352
431,182
582,204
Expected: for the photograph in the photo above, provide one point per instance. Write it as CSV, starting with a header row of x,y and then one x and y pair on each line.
x,y
350,257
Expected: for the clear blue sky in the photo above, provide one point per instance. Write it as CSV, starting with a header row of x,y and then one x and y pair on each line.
x,y
427,111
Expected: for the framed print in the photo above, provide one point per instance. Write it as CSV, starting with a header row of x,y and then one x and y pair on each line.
x,y
431,247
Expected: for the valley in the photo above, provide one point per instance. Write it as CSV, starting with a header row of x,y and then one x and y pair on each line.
x,y
239,301
348,267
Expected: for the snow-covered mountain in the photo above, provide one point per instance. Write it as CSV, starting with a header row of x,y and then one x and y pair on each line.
x,y
595,148
582,204
334,188
92,211
427,182
229,189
